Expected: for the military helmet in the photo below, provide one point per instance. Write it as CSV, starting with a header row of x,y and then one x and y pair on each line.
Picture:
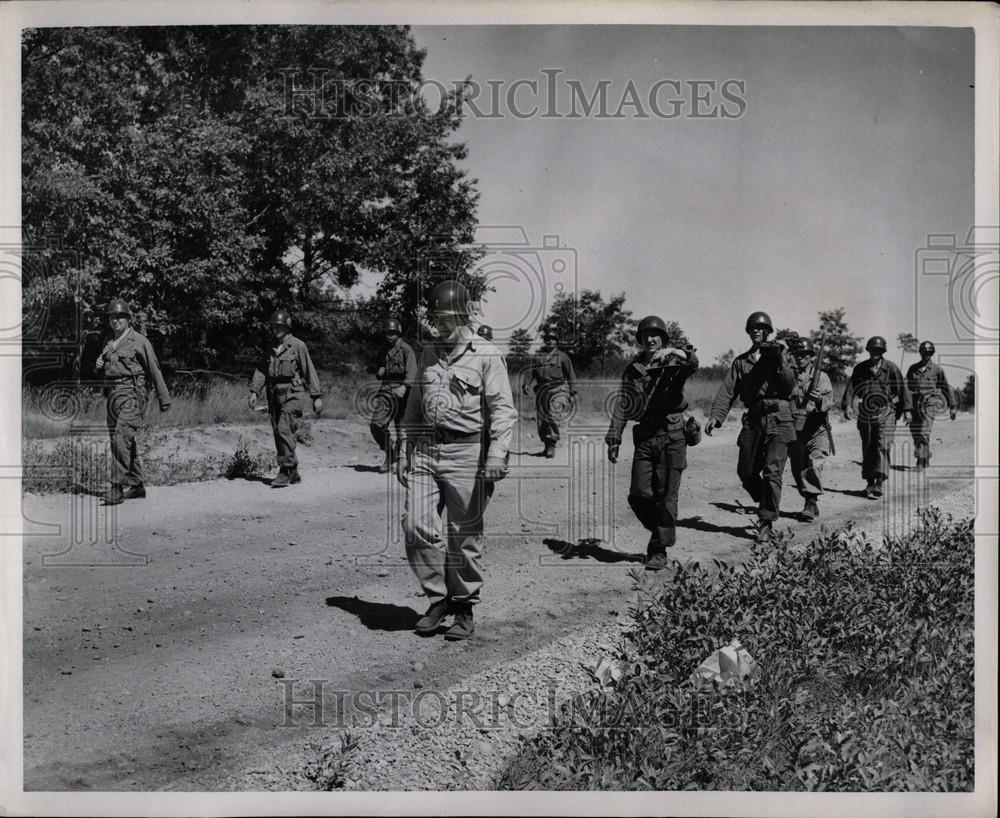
x,y
928,347
550,334
876,344
652,323
485,332
281,318
801,346
449,298
117,306
392,325
759,319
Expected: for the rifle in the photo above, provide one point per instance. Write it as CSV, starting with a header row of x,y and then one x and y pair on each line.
x,y
814,385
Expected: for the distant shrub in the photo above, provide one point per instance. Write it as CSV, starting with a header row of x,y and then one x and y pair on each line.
x,y
866,654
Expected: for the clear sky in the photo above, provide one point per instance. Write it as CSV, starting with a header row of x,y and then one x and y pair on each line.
x,y
853,146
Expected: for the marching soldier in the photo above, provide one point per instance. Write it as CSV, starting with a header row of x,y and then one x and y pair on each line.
x,y
810,406
287,377
398,369
928,386
555,382
129,365
652,393
763,378
879,386
461,395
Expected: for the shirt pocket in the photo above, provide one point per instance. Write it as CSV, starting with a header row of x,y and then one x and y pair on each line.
x,y
284,367
466,382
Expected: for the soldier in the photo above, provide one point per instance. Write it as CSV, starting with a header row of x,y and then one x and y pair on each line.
x,y
809,407
763,378
461,391
928,386
555,383
287,376
879,386
652,393
398,369
129,365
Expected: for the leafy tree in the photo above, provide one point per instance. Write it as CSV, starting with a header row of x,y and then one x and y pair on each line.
x,y
173,166
841,348
784,334
907,342
725,360
601,333
520,343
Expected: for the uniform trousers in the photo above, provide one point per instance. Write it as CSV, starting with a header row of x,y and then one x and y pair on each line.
x,y
763,443
285,406
446,478
657,466
126,406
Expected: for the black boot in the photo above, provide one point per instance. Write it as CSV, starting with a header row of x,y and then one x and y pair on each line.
x,y
136,492
463,627
430,621
811,510
281,479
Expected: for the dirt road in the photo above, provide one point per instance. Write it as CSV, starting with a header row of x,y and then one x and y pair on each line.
x,y
171,672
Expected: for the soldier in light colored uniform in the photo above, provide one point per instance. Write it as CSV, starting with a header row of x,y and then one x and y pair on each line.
x,y
929,388
129,364
287,376
763,379
555,383
883,398
398,369
811,448
461,393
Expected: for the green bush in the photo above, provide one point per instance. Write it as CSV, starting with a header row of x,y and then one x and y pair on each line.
x,y
866,684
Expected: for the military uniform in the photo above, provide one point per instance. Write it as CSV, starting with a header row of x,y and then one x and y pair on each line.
x,y
764,384
653,396
288,376
455,398
929,390
399,368
554,381
130,366
811,446
882,392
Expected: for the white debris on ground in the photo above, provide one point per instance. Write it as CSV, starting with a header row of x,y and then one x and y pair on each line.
x,y
731,666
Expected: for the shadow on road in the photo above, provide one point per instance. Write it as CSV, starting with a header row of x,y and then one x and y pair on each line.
x,y
376,616
589,549
848,492
699,524
749,511
364,467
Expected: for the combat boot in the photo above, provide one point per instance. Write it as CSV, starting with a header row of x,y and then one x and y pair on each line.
x,y
114,495
294,476
550,450
430,621
136,492
877,488
463,627
656,561
870,490
811,510
281,479
921,463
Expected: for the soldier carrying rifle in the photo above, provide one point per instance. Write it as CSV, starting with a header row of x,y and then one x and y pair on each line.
x,y
812,399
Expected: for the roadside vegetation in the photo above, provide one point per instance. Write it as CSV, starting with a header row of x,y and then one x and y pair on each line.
x,y
865,656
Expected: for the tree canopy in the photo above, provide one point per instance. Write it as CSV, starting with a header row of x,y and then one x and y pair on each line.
x,y
212,174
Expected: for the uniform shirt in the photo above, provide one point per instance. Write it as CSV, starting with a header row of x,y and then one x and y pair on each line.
x,y
130,359
648,395
400,364
289,363
752,378
552,367
926,382
803,380
878,390
453,391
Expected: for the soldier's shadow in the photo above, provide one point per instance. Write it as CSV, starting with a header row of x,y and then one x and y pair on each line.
x,y
589,549
698,524
376,616
847,492
530,454
367,468
749,511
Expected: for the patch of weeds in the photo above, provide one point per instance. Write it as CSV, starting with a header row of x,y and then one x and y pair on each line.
x,y
328,770
246,465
